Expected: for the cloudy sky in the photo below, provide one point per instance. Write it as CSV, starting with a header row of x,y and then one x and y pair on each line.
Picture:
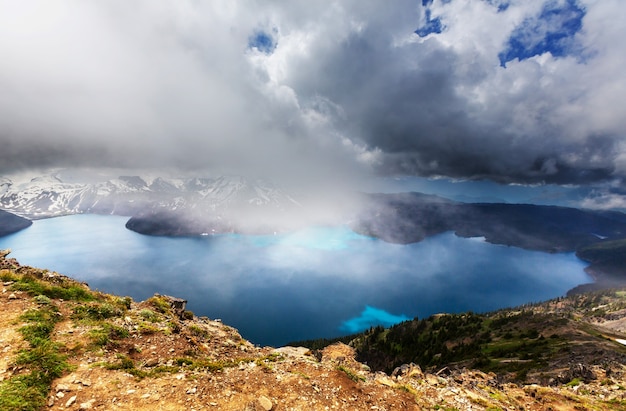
x,y
513,91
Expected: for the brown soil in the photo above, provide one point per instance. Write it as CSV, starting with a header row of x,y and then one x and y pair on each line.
x,y
202,364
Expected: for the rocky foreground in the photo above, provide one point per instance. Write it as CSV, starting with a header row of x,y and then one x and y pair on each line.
x,y
66,347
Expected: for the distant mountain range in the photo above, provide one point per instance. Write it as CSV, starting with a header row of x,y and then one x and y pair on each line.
x,y
410,217
50,196
598,237
205,206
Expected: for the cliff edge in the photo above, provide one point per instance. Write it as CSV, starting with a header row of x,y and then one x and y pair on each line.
x,y
66,347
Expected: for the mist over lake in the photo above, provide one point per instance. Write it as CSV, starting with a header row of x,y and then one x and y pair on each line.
x,y
313,283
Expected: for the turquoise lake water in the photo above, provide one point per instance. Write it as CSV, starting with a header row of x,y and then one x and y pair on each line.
x,y
318,282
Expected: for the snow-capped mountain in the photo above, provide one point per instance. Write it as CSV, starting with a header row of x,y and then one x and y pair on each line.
x,y
49,195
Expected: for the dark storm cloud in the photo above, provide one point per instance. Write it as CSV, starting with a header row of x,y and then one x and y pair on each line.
x,y
321,90
442,107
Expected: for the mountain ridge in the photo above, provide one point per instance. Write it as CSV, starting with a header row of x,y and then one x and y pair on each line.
x,y
49,196
100,351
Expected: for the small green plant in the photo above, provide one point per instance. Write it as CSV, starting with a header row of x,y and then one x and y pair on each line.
x,y
44,358
96,311
146,329
198,331
107,334
208,364
301,374
127,364
126,301
42,300
351,374
573,383
8,276
183,361
265,362
160,304
66,290
445,408
174,326
406,388
163,369
149,315
124,363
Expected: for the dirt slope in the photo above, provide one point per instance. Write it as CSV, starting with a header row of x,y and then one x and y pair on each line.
x,y
153,355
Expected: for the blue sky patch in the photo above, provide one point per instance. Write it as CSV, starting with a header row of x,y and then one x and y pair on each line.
x,y
371,316
501,5
263,42
551,31
431,26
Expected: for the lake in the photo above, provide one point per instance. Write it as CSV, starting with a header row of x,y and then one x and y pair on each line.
x,y
313,283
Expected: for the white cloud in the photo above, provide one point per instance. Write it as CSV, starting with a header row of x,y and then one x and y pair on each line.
x,y
348,87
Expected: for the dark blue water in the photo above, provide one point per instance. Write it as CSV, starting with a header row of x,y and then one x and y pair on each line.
x,y
319,282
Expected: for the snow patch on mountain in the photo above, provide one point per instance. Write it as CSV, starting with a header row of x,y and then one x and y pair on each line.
x,y
49,195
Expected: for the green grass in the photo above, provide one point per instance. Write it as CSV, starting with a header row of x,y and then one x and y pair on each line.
x,y
351,374
573,383
149,315
213,365
128,365
66,290
107,334
7,275
160,304
97,311
42,361
198,331
147,328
